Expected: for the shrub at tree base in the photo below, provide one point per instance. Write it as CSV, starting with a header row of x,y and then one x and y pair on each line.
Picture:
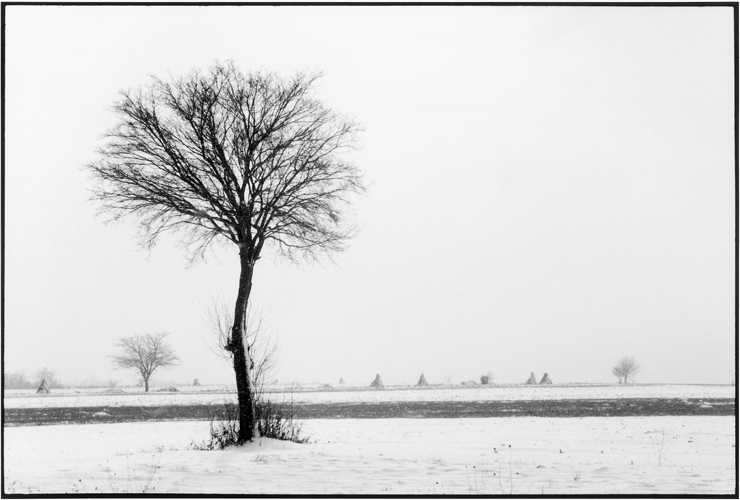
x,y
273,421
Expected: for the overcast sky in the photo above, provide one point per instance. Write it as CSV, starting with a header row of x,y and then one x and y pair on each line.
x,y
551,188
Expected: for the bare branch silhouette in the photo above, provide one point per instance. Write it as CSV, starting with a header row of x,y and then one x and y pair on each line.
x,y
626,369
220,156
145,354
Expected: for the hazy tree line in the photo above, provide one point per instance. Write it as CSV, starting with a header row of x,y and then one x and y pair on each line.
x,y
18,379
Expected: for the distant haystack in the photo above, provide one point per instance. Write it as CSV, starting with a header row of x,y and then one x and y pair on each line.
x,y
43,389
546,379
377,383
196,383
341,381
532,380
422,381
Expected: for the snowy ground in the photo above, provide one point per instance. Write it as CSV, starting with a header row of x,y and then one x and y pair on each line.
x,y
594,455
217,395
530,456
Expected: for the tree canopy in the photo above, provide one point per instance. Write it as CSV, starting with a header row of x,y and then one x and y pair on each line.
x,y
250,158
144,353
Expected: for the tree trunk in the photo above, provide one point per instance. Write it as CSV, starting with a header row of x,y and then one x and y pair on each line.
x,y
146,385
240,351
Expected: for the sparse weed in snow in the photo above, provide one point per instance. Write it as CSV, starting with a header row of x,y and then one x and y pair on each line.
x,y
504,474
134,487
273,421
506,484
660,446
477,486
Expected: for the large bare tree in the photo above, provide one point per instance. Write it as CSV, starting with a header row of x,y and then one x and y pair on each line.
x,y
144,353
220,155
626,369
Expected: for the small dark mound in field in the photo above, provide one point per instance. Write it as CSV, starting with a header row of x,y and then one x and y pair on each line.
x,y
532,380
377,383
422,381
168,389
546,379
115,391
341,381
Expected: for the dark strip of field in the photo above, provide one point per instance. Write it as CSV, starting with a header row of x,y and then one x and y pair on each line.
x,y
419,409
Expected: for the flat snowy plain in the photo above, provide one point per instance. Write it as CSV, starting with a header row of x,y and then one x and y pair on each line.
x,y
691,455
217,395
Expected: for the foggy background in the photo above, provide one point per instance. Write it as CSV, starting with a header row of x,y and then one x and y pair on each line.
x,y
551,189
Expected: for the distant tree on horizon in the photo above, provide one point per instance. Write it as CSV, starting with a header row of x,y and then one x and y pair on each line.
x,y
243,159
144,353
626,369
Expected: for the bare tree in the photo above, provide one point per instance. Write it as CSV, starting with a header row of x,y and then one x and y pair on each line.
x,y
626,369
144,353
220,155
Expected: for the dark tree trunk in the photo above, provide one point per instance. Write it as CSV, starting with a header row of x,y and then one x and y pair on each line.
x,y
240,350
146,385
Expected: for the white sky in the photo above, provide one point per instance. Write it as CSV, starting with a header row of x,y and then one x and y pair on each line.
x,y
552,188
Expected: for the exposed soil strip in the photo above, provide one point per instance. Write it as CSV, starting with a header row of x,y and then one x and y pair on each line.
x,y
416,409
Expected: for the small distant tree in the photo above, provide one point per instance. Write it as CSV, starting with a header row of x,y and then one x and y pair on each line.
x,y
487,379
626,369
144,353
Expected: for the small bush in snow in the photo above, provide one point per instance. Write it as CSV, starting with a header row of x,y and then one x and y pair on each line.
x,y
278,422
274,421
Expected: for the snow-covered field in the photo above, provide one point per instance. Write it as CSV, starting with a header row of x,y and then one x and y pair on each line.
x,y
200,395
522,455
530,456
